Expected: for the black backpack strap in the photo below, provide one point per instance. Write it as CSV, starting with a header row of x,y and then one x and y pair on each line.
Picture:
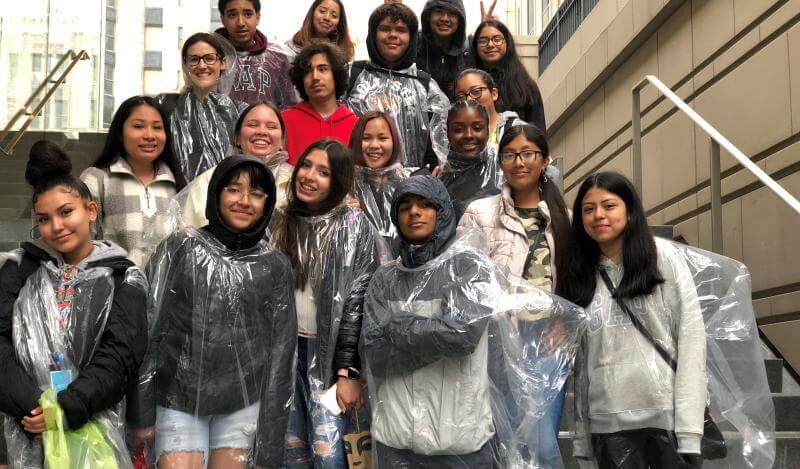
x,y
355,70
637,323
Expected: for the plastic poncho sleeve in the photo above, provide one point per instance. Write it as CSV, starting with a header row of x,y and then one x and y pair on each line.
x,y
279,378
438,105
366,261
20,394
104,381
407,342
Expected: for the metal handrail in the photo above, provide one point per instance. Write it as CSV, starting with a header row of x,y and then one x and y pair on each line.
x,y
717,140
25,110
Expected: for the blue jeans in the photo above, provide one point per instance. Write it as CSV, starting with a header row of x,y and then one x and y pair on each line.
x,y
549,454
314,435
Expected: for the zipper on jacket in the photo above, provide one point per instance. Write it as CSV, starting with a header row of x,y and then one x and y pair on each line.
x,y
147,196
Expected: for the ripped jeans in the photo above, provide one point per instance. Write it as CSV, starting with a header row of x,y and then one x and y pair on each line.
x,y
314,436
178,431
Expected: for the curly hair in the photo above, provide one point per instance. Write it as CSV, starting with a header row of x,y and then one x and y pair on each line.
x,y
302,66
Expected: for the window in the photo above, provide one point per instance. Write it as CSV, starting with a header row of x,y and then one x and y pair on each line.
x,y
13,63
36,63
108,110
180,36
152,60
154,17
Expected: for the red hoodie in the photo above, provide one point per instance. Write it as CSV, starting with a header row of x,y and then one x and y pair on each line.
x,y
305,126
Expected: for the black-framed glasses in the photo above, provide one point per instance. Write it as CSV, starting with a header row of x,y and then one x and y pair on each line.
x,y
525,155
474,93
484,41
238,194
208,59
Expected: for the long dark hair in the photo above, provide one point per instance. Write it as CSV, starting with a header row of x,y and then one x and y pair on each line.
x,y
357,152
48,167
342,170
639,254
114,146
551,195
340,37
516,87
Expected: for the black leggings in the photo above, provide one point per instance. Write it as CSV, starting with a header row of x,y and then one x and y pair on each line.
x,y
651,448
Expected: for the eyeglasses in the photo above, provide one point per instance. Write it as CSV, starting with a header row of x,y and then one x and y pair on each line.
x,y
526,155
208,59
484,41
237,193
474,93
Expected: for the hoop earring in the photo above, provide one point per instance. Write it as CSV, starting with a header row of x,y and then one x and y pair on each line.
x,y
544,178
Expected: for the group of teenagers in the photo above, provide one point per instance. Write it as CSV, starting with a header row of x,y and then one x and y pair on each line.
x,y
299,246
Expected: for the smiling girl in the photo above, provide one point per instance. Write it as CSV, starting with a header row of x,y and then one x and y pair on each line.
x,y
134,178
326,20
376,150
72,317
333,250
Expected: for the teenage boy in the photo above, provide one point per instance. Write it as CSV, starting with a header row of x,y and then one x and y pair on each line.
x,y
425,342
320,75
390,82
263,67
443,50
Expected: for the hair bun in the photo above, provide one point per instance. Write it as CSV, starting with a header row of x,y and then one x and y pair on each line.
x,y
46,161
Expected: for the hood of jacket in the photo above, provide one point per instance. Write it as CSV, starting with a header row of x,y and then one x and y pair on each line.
x,y
455,6
341,113
104,254
433,190
233,239
258,45
375,57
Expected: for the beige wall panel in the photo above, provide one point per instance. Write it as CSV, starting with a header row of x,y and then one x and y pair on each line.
x,y
770,227
594,125
731,229
740,179
569,82
794,73
622,163
762,308
675,46
786,12
619,85
644,11
703,76
740,104
620,32
580,75
573,129
783,304
556,103
557,144
677,169
689,230
782,159
656,218
652,182
596,23
746,11
712,26
784,337
597,57
666,105
739,49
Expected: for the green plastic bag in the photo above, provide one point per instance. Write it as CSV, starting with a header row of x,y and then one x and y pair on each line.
x,y
84,448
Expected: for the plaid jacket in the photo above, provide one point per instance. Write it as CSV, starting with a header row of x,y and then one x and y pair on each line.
x,y
132,215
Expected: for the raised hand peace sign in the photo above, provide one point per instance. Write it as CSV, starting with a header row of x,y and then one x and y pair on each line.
x,y
487,15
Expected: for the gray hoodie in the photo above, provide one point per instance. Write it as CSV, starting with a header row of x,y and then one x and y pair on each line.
x,y
621,381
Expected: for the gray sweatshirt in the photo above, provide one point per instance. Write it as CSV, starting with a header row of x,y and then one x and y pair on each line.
x,y
621,381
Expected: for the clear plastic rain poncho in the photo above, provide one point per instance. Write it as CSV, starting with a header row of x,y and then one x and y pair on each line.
x,y
374,188
48,338
715,290
468,178
223,331
462,359
418,112
222,335
202,130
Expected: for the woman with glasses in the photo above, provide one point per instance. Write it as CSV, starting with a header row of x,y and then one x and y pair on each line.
x,y
528,229
202,117
479,86
494,51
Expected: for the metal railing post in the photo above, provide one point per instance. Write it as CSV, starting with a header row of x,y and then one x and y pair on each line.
x,y
636,123
715,179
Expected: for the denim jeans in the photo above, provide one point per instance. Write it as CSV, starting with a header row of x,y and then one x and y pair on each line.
x,y
314,435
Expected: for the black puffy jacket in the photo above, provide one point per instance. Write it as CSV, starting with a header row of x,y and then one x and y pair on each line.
x,y
107,330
